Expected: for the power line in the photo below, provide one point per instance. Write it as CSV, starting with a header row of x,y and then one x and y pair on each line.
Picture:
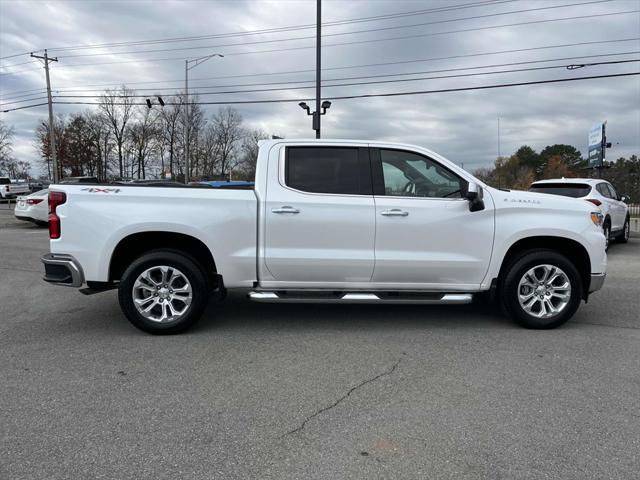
x,y
359,42
159,92
278,29
368,65
375,82
476,67
371,95
26,106
296,27
396,27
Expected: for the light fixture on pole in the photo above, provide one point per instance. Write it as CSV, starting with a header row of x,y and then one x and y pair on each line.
x,y
189,65
316,115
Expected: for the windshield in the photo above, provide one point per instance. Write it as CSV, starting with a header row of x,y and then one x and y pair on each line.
x,y
4,181
574,190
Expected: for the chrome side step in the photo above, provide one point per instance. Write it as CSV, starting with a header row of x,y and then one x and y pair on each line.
x,y
364,297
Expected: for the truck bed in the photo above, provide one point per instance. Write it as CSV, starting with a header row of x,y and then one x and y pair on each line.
x,y
93,222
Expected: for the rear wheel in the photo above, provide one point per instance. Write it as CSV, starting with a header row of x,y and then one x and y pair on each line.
x,y
163,292
541,289
607,234
626,231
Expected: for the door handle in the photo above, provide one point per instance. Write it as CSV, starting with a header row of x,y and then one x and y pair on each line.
x,y
394,212
285,209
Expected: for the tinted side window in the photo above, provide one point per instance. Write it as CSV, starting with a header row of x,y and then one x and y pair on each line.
x,y
602,188
612,191
408,174
323,169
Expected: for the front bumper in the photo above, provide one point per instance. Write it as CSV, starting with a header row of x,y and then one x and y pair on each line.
x,y
597,280
61,269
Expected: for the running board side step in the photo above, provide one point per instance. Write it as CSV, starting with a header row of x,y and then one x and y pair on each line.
x,y
355,297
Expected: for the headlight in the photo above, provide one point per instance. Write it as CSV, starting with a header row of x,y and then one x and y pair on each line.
x,y
597,218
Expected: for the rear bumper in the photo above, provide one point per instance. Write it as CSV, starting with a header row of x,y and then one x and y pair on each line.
x,y
61,269
597,280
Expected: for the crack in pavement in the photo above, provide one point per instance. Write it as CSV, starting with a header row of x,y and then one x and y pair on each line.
x,y
342,398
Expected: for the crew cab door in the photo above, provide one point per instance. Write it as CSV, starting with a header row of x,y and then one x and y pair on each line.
x,y
319,217
426,237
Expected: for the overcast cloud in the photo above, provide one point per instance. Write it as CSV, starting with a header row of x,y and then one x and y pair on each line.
x,y
462,126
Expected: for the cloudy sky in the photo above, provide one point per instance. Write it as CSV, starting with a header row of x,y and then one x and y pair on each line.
x,y
438,39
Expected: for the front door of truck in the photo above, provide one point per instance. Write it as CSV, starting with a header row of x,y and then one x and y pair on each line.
x,y
319,217
426,237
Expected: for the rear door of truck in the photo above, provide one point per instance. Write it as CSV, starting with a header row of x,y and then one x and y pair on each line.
x,y
319,216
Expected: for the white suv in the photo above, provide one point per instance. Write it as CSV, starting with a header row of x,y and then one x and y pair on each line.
x,y
600,193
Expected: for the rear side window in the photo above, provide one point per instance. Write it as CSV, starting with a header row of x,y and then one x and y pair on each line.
x,y
612,191
323,170
574,190
604,190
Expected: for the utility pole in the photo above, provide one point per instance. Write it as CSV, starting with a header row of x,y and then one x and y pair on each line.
x,y
52,138
186,122
498,137
316,114
187,67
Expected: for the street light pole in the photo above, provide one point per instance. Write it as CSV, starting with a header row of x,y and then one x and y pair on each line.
x,y
316,114
187,67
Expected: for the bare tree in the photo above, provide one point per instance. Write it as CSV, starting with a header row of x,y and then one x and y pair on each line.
x,y
170,130
117,107
142,134
249,153
102,136
6,146
228,129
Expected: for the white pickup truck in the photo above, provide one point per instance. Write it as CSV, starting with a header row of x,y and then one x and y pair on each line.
x,y
328,221
11,189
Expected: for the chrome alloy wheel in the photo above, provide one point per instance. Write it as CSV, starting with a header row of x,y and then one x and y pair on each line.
x,y
544,291
162,294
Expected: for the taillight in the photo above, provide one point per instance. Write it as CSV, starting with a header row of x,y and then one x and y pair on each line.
x,y
34,201
55,199
595,201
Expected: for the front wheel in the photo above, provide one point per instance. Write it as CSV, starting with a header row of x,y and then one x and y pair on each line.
x,y
163,292
542,289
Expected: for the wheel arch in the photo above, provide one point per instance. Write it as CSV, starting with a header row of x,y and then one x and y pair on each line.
x,y
572,249
136,244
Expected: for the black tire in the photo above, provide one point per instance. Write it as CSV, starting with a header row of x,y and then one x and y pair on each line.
x,y
623,237
199,291
516,270
607,233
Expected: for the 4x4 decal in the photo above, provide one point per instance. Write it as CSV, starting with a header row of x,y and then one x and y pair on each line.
x,y
101,190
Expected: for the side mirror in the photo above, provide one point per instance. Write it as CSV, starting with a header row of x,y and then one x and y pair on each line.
x,y
474,194
624,198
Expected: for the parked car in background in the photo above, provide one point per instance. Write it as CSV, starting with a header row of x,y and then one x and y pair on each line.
x,y
79,180
37,185
33,208
11,189
228,184
613,206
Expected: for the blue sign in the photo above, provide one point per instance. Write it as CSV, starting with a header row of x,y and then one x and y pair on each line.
x,y
596,145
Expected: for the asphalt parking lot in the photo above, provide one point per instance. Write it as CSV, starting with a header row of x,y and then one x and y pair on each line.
x,y
304,391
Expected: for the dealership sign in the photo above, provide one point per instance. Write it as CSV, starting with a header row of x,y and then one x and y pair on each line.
x,y
596,145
